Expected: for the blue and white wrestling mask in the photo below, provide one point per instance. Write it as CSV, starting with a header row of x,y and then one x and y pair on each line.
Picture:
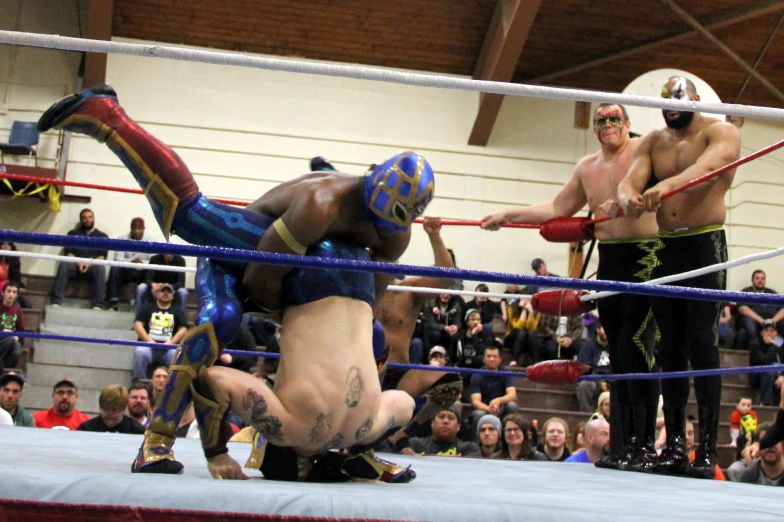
x,y
398,190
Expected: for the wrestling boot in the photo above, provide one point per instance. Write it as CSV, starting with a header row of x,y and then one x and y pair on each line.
x,y
442,394
198,349
320,163
673,460
704,464
160,172
644,456
211,405
341,466
621,427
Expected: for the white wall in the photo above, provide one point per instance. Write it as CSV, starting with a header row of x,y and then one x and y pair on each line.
x,y
242,131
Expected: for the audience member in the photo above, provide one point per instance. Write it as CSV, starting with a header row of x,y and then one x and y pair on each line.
x,y
159,377
242,342
602,407
492,394
522,322
597,442
139,395
487,308
437,356
556,433
444,439
516,443
594,353
147,291
10,267
96,274
63,415
752,316
11,320
157,322
768,470
119,276
764,351
540,268
724,323
512,289
442,320
560,336
11,387
742,409
112,402
488,431
577,441
472,340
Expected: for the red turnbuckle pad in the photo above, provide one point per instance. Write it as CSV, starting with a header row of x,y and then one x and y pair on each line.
x,y
561,302
557,372
567,229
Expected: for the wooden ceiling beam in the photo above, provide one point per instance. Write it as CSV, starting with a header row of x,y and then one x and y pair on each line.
x,y
99,27
760,9
506,36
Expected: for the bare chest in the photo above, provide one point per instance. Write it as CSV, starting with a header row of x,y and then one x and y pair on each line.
x,y
601,179
670,156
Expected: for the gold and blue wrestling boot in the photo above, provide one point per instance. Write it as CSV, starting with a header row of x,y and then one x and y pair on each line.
x,y
197,351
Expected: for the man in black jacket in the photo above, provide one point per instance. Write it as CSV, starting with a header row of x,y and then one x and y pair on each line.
x,y
762,352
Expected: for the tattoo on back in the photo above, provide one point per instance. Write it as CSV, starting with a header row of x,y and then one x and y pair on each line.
x,y
321,430
268,425
355,387
363,430
334,442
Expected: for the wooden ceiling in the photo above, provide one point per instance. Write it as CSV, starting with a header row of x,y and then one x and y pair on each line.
x,y
589,44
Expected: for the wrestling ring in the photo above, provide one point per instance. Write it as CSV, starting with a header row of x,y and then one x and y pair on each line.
x,y
85,476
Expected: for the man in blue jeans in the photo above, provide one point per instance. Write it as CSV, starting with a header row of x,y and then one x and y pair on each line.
x,y
158,322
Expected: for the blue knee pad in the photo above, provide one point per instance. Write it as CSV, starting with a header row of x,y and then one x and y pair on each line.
x,y
218,290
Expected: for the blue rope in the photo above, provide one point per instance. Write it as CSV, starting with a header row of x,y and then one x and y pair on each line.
x,y
234,254
451,369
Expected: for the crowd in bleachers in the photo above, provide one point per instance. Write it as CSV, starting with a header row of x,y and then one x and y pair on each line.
x,y
480,333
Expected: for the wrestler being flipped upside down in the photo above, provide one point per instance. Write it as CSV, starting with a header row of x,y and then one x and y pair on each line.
x,y
327,394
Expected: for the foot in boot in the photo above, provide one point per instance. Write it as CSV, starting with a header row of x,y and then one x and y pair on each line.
x,y
619,462
673,461
161,467
68,105
645,459
702,467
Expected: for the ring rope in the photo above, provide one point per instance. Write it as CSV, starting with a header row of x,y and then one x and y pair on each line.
x,y
452,369
271,258
377,74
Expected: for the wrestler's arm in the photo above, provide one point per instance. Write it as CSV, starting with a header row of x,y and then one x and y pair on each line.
x,y
304,221
569,200
389,251
723,148
630,189
441,257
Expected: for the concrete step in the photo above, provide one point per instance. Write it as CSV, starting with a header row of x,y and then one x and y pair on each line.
x,y
40,398
733,358
88,331
63,315
731,392
85,378
33,317
37,299
86,355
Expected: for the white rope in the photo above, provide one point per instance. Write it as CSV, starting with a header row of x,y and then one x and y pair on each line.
x,y
469,293
694,273
377,74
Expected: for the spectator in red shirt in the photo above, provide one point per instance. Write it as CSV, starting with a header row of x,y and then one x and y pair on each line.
x,y
11,320
63,415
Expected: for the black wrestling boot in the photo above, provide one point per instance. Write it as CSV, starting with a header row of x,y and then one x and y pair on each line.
x,y
622,454
674,460
160,467
645,458
704,465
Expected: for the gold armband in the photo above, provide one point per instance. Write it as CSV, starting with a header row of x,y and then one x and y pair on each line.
x,y
288,238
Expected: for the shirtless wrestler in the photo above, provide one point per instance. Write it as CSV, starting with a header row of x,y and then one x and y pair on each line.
x,y
626,253
373,211
692,235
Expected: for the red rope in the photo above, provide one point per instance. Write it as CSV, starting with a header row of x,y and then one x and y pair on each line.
x,y
34,179
710,175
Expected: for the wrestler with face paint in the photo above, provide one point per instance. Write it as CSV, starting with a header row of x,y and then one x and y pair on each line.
x,y
625,250
692,235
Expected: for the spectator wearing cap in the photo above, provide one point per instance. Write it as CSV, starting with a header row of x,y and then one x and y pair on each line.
x,y
437,356
487,308
11,391
112,419
492,394
752,316
556,433
157,322
597,441
540,268
96,274
119,276
11,320
518,440
471,341
488,433
442,319
147,291
139,395
444,439
63,415
763,352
